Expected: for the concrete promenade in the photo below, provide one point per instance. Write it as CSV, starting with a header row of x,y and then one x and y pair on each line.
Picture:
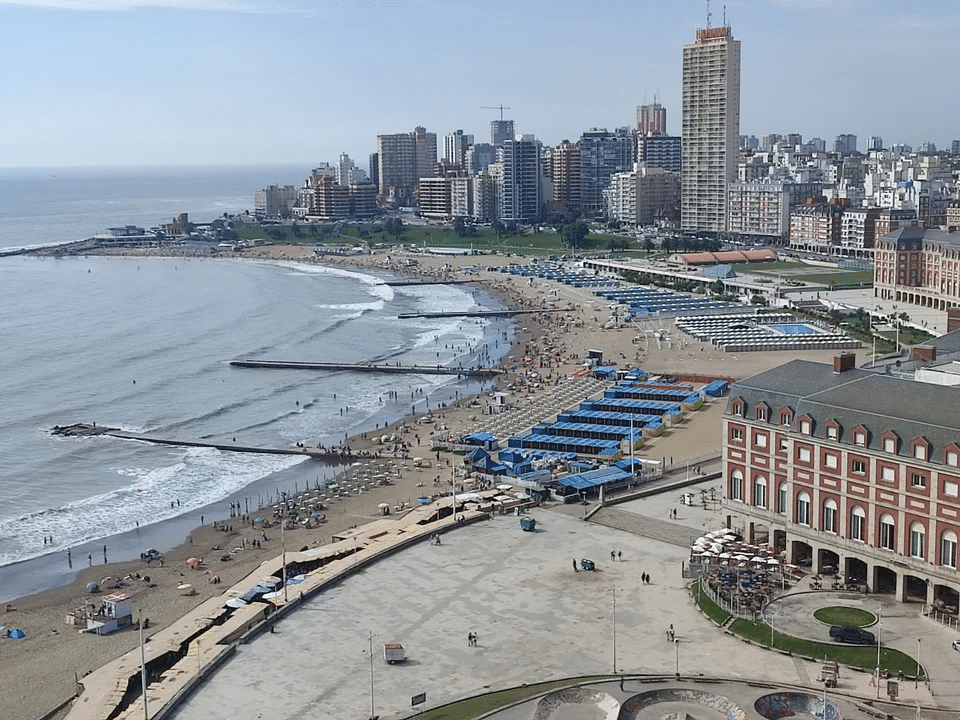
x,y
535,617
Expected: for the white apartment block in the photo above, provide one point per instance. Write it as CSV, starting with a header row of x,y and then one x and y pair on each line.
x,y
711,128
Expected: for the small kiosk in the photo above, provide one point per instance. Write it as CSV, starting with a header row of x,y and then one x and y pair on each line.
x,y
113,613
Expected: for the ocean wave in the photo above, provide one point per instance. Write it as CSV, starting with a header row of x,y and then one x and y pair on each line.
x,y
201,476
375,284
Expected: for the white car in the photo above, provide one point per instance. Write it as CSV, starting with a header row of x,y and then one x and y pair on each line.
x,y
956,644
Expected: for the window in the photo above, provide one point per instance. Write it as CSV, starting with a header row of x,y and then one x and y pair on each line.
x,y
760,439
829,516
953,459
760,491
803,509
761,413
889,445
736,485
888,532
738,409
950,488
784,444
785,419
916,540
782,499
918,480
832,433
805,427
860,438
736,433
948,549
803,454
888,473
857,524
858,467
920,451
830,460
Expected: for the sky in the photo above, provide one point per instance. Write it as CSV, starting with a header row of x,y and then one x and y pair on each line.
x,y
219,82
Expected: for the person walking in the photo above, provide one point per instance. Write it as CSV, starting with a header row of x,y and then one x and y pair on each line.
x,y
575,565
619,556
621,683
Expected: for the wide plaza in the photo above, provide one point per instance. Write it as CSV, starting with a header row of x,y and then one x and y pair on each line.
x,y
535,618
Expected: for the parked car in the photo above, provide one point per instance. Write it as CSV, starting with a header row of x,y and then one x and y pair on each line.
x,y
859,636
956,644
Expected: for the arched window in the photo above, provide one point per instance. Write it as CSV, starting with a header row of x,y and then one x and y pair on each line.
x,y
760,491
736,485
917,539
829,516
858,521
888,532
803,509
782,499
948,548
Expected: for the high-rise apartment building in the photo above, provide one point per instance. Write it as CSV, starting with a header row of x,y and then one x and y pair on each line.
x,y
403,159
565,174
520,186
845,144
711,127
955,147
652,119
478,158
346,171
665,151
275,201
455,147
874,142
602,154
500,132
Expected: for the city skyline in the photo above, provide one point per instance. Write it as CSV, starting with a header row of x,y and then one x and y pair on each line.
x,y
123,82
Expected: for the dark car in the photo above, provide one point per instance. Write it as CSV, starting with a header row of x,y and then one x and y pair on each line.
x,y
856,635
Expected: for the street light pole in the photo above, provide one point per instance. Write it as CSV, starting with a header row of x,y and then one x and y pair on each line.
x,y
614,629
879,633
676,645
373,713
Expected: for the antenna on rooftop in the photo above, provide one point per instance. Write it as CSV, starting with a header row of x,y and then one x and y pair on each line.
x,y
708,14
725,16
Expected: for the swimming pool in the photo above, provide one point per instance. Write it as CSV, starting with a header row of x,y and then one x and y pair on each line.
x,y
794,329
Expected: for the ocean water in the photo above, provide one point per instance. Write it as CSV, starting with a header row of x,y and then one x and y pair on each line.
x,y
144,344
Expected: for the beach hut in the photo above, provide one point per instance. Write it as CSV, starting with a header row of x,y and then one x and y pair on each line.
x,y
113,613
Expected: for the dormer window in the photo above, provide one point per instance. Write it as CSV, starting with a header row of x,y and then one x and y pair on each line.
x,y
762,412
921,449
832,430
891,442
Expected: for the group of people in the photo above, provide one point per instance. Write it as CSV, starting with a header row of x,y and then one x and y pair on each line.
x,y
472,639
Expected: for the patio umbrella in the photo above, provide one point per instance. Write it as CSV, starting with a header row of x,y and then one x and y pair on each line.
x,y
194,561
741,558
234,603
724,556
272,595
92,587
270,581
758,559
296,579
773,561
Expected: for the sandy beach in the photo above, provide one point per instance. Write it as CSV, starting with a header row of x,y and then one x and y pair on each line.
x,y
41,671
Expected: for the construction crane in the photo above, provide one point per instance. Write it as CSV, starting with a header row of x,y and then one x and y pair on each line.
x,y
501,108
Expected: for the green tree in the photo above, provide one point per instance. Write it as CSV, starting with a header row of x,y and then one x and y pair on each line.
x,y
498,227
574,234
648,245
459,227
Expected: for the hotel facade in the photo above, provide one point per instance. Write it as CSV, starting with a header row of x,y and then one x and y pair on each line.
x,y
849,471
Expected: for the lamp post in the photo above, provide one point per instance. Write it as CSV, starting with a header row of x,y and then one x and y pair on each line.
x,y
916,682
614,629
676,646
879,633
373,713
143,670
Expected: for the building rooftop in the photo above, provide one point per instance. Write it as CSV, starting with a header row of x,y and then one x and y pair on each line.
x,y
855,397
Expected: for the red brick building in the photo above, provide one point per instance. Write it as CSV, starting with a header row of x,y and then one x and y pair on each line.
x,y
849,470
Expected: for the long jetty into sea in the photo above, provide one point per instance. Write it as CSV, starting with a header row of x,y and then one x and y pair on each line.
x,y
88,430
476,313
367,367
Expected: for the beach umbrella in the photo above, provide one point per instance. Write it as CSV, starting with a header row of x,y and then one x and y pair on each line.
x,y
234,603
773,561
92,587
296,579
272,595
383,505
152,551
194,561
504,487
724,555
269,581
16,634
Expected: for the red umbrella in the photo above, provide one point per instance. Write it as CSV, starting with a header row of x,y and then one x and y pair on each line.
x,y
194,561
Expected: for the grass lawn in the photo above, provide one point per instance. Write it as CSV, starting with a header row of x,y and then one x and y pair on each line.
x,y
850,278
474,707
840,615
759,633
768,268
861,656
709,607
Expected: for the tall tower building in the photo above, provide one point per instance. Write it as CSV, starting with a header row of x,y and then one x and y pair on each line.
x,y
565,173
403,159
521,183
602,154
711,127
455,148
500,132
651,119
